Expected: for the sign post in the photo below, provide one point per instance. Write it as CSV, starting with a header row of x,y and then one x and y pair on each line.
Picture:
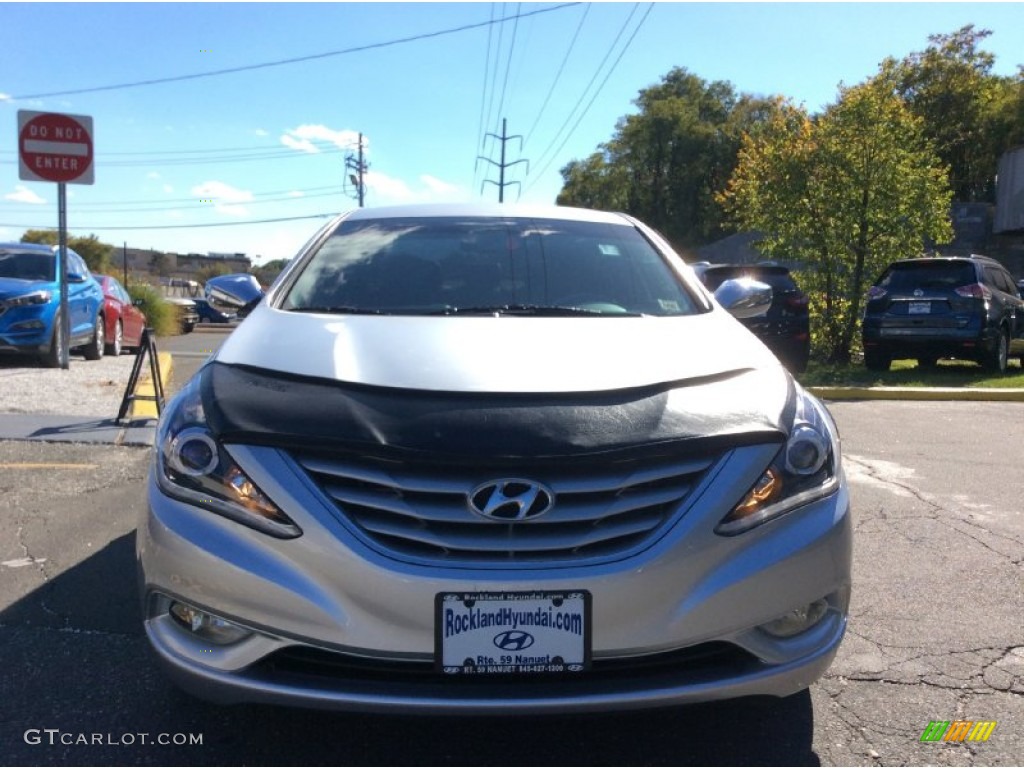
x,y
58,148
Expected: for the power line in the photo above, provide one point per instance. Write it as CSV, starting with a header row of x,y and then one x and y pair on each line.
x,y
596,93
272,153
593,79
558,75
295,60
508,64
162,205
182,226
483,93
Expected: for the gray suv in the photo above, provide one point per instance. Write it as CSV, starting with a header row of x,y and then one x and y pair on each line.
x,y
934,307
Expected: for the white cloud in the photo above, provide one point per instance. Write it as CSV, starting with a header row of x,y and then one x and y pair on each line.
x,y
168,189
390,189
385,190
296,193
302,138
226,199
23,194
261,132
439,187
302,146
153,175
5,97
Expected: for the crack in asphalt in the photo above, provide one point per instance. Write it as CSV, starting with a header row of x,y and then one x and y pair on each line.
x,y
874,472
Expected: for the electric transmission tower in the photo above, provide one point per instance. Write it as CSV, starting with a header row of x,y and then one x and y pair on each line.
x,y
501,183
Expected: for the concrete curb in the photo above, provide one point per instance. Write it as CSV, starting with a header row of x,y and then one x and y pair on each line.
x,y
146,409
963,394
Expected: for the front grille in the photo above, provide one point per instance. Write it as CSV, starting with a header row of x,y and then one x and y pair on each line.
x,y
697,663
421,511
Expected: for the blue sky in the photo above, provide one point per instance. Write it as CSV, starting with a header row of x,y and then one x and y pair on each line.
x,y
270,143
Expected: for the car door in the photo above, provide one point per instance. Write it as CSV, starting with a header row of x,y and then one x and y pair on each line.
x,y
78,296
132,318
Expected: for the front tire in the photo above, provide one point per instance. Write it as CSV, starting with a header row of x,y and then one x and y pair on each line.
x,y
51,358
94,349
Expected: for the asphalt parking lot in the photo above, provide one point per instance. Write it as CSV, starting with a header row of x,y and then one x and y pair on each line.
x,y
936,629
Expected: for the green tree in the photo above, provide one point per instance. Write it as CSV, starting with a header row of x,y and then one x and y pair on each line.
x,y
971,115
666,163
97,255
844,193
267,273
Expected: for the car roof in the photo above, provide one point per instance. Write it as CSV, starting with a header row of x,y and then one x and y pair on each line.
x,y
430,210
40,247
770,266
974,258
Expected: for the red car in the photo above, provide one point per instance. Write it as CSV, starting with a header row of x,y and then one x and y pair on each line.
x,y
123,320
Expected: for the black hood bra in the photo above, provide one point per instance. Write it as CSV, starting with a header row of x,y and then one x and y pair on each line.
x,y
256,406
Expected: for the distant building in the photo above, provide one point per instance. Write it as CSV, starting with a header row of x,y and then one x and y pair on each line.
x,y
179,265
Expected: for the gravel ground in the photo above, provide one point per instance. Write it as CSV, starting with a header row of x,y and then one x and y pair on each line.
x,y
87,388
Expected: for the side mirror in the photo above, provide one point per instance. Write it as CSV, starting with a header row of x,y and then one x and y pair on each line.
x,y
244,311
76,277
744,297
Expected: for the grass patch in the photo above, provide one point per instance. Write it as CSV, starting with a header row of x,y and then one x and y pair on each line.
x,y
906,373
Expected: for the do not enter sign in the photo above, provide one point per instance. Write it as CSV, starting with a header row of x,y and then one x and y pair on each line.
x,y
55,147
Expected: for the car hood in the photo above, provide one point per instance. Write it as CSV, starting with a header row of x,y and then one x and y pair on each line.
x,y
12,286
509,354
490,388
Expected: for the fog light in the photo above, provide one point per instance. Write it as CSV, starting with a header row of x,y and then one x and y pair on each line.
x,y
28,325
206,626
797,620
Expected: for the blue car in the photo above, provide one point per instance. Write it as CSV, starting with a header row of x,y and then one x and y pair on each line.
x,y
30,303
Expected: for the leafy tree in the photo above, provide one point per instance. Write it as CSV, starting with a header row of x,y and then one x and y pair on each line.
x,y
845,194
97,255
971,115
666,163
267,273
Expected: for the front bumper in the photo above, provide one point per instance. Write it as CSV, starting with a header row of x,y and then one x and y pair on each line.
x,y
338,625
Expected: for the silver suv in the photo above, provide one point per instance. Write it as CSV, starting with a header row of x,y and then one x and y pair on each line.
x,y
494,459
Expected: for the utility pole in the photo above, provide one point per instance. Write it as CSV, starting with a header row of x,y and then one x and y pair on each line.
x,y
501,183
357,169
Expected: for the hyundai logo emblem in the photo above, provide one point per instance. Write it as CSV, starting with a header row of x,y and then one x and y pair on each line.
x,y
513,640
918,292
511,500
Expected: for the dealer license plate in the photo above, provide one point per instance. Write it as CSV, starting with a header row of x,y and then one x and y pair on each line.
x,y
495,633
919,308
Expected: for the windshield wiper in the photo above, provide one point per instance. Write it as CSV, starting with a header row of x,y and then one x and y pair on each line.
x,y
339,309
535,310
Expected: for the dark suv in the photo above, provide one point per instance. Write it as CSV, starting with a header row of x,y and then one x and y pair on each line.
x,y
785,328
965,307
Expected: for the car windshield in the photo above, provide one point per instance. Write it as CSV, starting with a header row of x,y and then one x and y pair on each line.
x,y
28,265
941,275
488,265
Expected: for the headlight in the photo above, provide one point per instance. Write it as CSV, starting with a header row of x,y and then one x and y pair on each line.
x,y
36,297
194,467
805,469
